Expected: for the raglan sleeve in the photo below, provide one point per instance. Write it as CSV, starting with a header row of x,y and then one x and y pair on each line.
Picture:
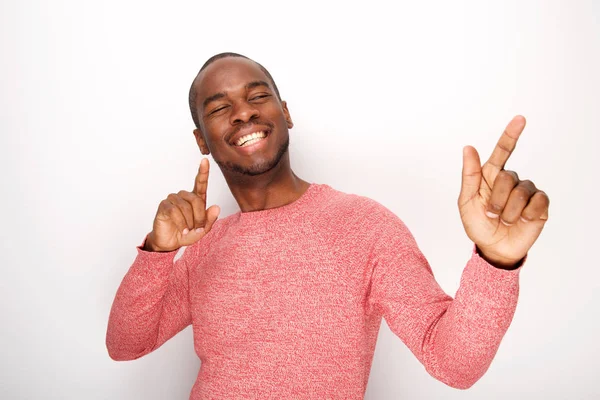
x,y
455,339
151,305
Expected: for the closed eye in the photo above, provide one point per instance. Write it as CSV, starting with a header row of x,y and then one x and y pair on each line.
x,y
260,96
216,110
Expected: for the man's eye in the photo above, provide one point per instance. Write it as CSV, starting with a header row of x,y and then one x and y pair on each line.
x,y
216,110
259,97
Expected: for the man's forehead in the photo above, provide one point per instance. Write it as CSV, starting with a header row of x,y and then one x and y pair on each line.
x,y
226,74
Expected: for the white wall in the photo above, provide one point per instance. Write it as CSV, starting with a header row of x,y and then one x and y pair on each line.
x,y
95,132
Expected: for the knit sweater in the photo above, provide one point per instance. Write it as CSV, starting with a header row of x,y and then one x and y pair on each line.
x,y
286,303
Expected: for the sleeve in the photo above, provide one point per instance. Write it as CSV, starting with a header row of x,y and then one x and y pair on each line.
x,y
151,305
454,339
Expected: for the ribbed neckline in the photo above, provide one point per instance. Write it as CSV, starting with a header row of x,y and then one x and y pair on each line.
x,y
311,192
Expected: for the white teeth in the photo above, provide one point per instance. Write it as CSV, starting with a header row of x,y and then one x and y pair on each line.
x,y
250,139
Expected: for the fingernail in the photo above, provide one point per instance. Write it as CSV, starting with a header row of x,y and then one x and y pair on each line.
x,y
524,220
185,231
199,230
505,223
491,214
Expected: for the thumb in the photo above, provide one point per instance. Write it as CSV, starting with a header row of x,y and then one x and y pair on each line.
x,y
471,175
212,213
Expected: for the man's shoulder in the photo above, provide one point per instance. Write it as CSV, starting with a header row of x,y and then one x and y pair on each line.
x,y
341,202
362,218
345,199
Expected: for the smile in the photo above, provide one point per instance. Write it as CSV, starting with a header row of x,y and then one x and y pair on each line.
x,y
250,139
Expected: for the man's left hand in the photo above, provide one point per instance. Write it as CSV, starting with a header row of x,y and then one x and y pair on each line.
x,y
501,214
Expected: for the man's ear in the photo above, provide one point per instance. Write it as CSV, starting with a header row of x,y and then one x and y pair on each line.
x,y
286,112
201,143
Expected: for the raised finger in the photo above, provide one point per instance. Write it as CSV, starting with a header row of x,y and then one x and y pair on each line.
x,y
506,144
184,207
504,183
201,182
537,208
198,207
519,197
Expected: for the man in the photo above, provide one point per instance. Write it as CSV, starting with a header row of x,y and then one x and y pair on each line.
x,y
286,296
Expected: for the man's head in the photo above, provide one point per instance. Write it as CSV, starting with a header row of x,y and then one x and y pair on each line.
x,y
192,94
231,98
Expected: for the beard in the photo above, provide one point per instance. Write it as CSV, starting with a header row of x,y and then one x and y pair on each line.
x,y
256,169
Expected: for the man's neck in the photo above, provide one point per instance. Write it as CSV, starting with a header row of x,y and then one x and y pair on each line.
x,y
275,188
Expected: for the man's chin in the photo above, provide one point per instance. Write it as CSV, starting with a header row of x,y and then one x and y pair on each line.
x,y
252,170
256,169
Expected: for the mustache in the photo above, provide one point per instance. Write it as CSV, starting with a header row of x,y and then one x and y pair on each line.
x,y
249,125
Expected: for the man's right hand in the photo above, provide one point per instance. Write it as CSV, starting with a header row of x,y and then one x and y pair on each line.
x,y
182,219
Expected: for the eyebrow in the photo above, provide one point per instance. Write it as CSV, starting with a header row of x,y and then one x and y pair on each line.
x,y
212,98
254,84
220,95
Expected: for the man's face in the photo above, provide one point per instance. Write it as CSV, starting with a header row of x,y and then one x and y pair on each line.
x,y
242,122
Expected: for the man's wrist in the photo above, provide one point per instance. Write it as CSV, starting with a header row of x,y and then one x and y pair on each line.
x,y
147,246
499,263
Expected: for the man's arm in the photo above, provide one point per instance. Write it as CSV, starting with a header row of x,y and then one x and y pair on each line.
x,y
455,340
503,216
151,305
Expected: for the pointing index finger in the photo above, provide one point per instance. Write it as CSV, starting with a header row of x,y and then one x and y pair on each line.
x,y
507,143
201,182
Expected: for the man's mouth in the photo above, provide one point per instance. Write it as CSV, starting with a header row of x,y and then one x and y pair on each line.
x,y
250,139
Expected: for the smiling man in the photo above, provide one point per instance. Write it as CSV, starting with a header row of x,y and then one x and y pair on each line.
x,y
286,296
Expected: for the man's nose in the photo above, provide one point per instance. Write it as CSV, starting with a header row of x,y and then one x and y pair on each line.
x,y
243,112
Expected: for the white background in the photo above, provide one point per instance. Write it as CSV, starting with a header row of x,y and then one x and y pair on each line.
x,y
95,131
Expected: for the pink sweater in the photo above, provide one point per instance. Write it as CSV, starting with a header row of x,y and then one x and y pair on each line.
x,y
286,303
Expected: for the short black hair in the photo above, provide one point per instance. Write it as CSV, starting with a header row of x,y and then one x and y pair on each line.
x,y
192,94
